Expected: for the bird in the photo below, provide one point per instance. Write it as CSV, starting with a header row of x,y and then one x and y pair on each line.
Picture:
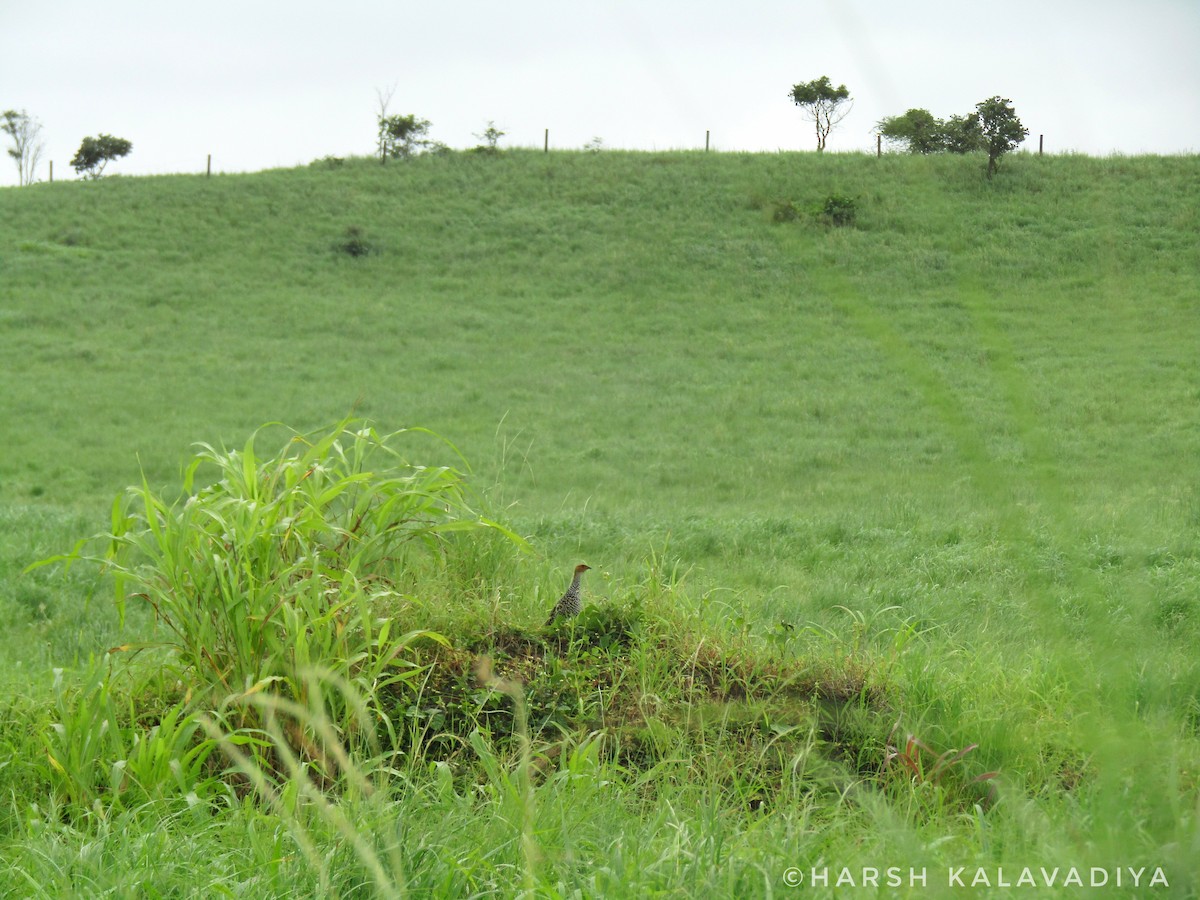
x,y
569,604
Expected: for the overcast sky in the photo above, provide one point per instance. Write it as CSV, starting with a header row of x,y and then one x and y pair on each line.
x,y
266,84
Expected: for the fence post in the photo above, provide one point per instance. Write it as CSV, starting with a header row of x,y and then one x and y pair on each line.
x,y
879,146
1041,139
208,167
706,134
546,143
52,171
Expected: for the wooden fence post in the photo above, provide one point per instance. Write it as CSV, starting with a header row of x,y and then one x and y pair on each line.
x,y
208,167
706,135
52,171
1041,140
878,146
546,142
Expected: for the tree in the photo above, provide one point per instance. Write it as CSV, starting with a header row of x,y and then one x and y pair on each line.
x,y
398,136
25,133
384,99
96,152
491,138
993,127
918,131
961,134
1000,129
822,104
401,137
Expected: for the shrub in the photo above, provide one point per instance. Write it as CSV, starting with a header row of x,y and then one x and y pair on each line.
x,y
784,211
491,140
839,211
354,242
833,211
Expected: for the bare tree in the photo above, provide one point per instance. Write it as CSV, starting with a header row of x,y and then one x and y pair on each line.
x,y
25,133
384,99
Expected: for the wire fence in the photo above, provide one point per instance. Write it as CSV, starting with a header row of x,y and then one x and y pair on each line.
x,y
546,149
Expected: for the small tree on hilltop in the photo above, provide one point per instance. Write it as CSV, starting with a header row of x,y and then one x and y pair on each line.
x,y
25,132
384,99
993,127
1000,129
96,152
961,134
401,137
918,131
822,104
491,139
398,137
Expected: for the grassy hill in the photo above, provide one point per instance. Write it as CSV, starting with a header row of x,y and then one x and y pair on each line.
x,y
944,456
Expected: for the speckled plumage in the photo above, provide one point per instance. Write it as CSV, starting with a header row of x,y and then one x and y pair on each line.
x,y
569,604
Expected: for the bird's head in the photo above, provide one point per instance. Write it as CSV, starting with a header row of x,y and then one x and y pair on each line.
x,y
582,567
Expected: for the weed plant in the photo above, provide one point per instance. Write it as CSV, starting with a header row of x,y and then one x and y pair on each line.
x,y
268,568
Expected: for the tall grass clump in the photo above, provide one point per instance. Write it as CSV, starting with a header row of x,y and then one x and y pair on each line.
x,y
97,751
269,566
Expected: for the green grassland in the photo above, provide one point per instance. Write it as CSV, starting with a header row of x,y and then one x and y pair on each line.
x,y
932,473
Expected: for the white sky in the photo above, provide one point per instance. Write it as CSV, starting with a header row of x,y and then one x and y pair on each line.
x,y
262,83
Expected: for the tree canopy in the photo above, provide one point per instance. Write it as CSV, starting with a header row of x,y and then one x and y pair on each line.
x,y
918,131
1001,130
401,136
993,127
823,105
25,133
96,152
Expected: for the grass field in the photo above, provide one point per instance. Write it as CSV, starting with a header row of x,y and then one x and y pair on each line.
x,y
933,473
